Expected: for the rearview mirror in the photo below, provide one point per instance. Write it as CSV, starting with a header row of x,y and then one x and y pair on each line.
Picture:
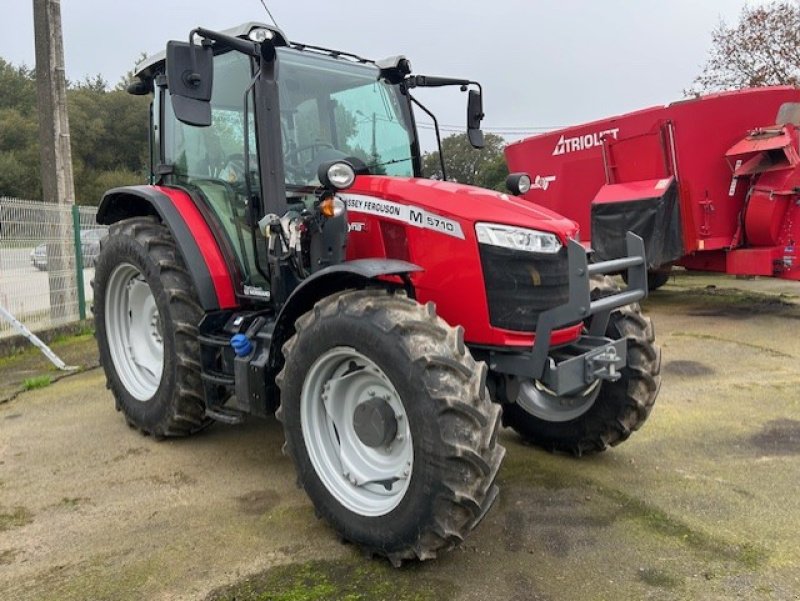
x,y
474,118
190,78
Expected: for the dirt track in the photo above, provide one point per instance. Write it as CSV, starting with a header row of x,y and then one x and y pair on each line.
x,y
700,504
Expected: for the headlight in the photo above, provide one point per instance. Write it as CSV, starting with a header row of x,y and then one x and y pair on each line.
x,y
517,238
336,175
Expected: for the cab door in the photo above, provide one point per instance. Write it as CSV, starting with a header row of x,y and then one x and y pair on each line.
x,y
210,163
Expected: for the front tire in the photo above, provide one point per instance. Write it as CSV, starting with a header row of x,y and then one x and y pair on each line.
x,y
607,414
146,315
421,476
658,277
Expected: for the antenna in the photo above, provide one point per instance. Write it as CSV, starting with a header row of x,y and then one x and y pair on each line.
x,y
274,22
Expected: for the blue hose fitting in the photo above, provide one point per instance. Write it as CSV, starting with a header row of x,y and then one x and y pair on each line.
x,y
241,345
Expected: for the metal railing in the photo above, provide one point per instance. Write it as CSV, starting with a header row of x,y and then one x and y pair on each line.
x,y
47,255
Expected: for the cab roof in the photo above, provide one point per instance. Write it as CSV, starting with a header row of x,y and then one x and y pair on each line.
x,y
148,66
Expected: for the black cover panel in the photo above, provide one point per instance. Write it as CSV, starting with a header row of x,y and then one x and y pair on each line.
x,y
521,285
657,220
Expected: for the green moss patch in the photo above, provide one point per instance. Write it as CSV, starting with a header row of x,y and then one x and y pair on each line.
x,y
72,502
712,301
336,581
658,578
625,506
658,521
14,518
7,556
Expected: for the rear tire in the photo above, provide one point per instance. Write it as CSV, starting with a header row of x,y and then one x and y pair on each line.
x,y
444,453
146,314
619,408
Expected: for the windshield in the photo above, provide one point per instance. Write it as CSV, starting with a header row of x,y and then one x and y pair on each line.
x,y
333,109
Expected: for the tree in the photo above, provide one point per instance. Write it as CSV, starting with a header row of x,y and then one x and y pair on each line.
x,y
762,49
485,168
109,135
19,154
19,133
18,88
130,76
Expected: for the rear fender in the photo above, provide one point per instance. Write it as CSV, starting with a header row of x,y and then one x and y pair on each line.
x,y
200,250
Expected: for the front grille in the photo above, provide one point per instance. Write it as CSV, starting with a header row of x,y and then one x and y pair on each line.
x,y
521,285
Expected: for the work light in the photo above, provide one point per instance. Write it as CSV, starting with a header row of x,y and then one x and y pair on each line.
x,y
338,175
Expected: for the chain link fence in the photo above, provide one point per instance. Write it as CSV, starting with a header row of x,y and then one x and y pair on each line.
x,y
47,256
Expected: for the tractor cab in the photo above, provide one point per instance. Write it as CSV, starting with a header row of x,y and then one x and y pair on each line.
x,y
216,133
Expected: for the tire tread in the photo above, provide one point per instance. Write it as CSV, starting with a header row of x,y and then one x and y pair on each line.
x,y
186,414
468,420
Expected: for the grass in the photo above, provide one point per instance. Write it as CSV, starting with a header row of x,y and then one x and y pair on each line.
x,y
37,382
57,337
82,333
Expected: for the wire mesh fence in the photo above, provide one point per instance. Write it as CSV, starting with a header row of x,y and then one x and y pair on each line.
x,y
47,255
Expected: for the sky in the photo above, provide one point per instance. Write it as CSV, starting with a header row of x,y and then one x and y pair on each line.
x,y
541,64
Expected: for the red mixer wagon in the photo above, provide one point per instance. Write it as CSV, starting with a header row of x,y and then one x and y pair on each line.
x,y
710,183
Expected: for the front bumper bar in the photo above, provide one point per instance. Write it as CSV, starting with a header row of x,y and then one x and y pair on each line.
x,y
592,356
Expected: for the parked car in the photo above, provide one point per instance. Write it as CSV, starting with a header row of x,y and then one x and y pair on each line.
x,y
90,248
39,257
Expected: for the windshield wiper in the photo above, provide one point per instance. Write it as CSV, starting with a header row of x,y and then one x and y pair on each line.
x,y
391,162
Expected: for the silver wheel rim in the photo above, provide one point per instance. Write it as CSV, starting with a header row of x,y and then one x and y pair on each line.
x,y
369,481
543,403
134,332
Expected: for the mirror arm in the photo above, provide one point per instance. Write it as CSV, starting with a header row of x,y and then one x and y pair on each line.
x,y
427,81
194,77
244,46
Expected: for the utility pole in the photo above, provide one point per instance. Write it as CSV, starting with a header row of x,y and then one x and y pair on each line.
x,y
55,154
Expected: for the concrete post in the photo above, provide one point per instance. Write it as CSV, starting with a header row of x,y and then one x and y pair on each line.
x,y
55,154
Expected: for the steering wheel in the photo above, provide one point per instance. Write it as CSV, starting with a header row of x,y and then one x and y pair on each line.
x,y
292,163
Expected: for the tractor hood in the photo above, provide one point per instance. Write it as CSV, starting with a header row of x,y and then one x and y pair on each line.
x,y
466,204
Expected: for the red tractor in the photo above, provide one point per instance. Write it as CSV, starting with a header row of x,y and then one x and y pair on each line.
x,y
709,183
286,257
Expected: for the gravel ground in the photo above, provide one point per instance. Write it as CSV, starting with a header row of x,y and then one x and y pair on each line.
x,y
701,503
